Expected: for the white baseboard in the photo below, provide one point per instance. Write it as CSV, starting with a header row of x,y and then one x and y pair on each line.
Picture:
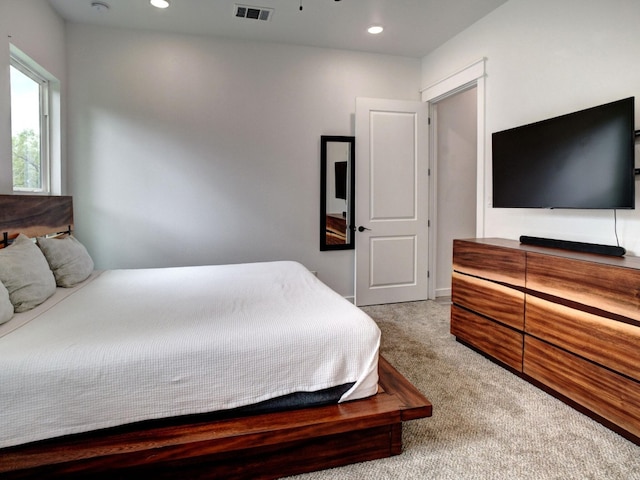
x,y
443,292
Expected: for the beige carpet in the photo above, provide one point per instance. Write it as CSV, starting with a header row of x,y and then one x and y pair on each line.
x,y
487,423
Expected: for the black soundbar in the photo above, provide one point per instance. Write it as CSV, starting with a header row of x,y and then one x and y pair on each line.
x,y
610,250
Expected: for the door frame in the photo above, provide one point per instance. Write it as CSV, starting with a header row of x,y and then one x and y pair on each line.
x,y
468,77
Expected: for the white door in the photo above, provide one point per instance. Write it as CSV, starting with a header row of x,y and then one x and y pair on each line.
x,y
391,201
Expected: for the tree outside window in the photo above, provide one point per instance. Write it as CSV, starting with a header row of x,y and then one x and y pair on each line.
x,y
28,130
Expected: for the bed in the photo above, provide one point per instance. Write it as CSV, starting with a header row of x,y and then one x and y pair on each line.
x,y
189,372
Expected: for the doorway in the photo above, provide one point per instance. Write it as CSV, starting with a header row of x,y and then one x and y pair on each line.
x,y
454,150
471,80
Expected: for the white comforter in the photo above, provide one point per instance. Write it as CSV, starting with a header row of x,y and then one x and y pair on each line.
x,y
130,345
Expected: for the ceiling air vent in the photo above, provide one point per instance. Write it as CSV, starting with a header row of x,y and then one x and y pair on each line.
x,y
256,13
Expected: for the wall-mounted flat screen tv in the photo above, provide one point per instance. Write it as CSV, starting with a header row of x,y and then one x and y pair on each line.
x,y
582,160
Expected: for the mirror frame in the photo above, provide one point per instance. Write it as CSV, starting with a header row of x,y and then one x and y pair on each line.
x,y
350,244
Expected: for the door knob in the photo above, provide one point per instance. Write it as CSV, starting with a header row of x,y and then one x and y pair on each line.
x,y
362,229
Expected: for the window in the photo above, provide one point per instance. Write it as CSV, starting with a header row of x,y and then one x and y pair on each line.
x,y
29,129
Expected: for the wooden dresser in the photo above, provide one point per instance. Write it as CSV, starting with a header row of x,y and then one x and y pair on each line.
x,y
336,229
568,322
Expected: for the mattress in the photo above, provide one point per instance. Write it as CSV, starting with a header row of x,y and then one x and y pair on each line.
x,y
133,345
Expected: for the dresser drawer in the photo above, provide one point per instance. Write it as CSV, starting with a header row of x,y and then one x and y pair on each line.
x,y
610,343
500,264
602,391
501,303
497,341
611,288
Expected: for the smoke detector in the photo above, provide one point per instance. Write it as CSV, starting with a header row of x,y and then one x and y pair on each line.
x,y
255,13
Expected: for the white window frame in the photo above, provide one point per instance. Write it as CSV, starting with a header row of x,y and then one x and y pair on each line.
x,y
45,126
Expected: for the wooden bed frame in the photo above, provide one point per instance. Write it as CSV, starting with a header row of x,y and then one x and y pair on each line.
x,y
262,446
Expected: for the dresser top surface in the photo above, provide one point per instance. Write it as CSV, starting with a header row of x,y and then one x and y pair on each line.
x,y
628,261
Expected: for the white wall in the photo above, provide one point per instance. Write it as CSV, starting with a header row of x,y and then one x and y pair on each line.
x,y
193,150
33,27
547,58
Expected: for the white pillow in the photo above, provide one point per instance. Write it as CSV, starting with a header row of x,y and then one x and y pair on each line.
x,y
6,307
68,259
25,273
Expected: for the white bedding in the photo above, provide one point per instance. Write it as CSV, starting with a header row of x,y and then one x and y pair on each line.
x,y
131,345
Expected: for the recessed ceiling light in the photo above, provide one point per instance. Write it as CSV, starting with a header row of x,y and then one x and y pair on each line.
x,y
375,29
159,3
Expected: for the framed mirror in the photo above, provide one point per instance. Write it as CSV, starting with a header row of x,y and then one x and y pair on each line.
x,y
337,184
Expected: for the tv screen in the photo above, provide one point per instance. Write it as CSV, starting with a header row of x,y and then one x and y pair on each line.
x,y
341,179
583,159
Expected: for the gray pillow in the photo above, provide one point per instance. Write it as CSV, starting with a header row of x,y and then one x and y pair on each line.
x,y
68,259
6,307
25,273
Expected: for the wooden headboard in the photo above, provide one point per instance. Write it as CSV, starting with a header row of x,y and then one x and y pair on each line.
x,y
34,215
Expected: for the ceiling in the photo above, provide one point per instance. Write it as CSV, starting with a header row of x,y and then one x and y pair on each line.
x,y
412,28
